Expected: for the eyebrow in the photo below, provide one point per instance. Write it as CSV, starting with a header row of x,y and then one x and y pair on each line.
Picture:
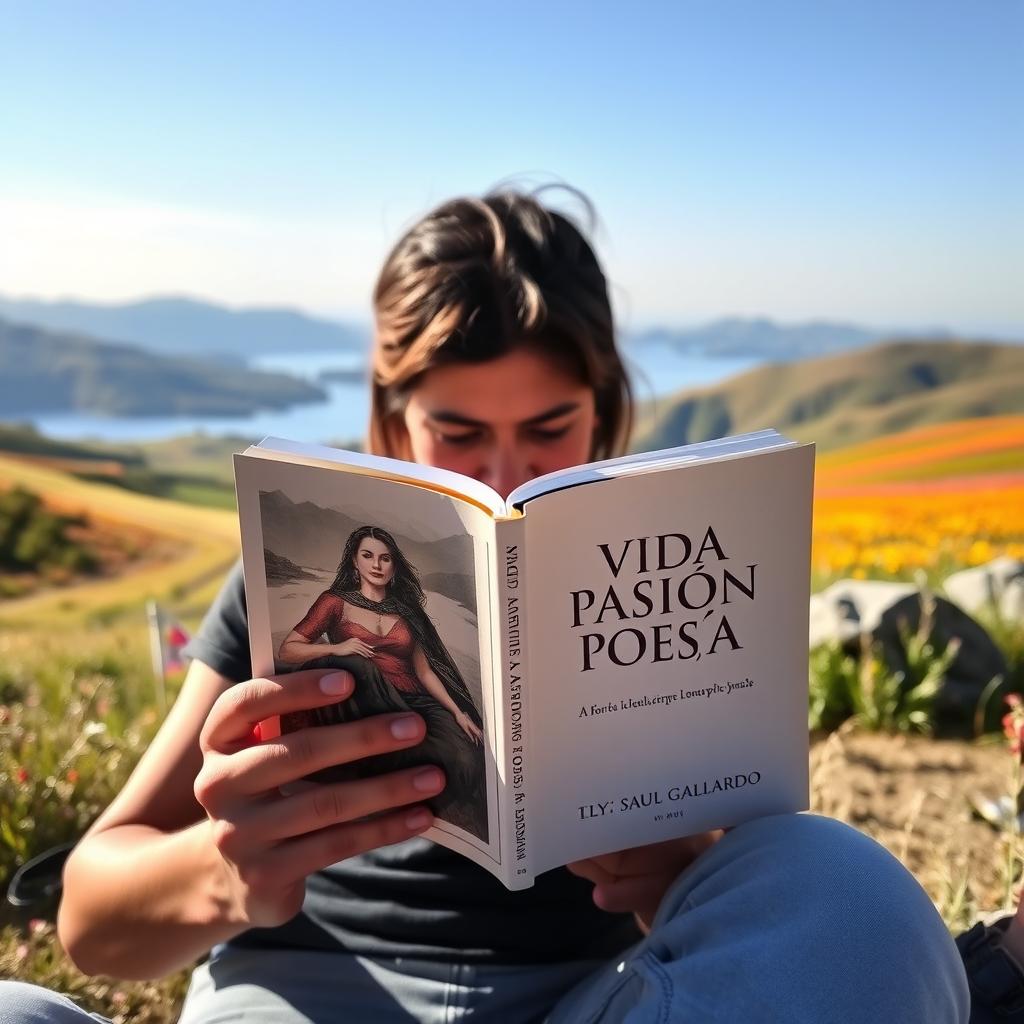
x,y
458,420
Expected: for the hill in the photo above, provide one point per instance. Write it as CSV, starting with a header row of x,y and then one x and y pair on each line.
x,y
181,326
761,338
43,370
847,398
187,549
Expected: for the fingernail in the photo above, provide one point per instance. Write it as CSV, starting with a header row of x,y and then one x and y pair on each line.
x,y
405,728
334,684
429,780
418,820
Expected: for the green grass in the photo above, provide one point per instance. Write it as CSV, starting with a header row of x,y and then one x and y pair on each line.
x,y
206,538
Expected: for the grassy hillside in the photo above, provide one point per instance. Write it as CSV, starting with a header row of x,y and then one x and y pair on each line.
x,y
848,398
43,370
196,546
193,468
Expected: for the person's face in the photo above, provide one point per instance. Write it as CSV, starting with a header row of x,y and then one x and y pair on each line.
x,y
374,562
503,422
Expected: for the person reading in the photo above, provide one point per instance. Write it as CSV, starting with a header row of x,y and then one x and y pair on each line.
x,y
494,355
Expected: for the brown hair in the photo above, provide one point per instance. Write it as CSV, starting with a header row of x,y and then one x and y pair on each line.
x,y
474,279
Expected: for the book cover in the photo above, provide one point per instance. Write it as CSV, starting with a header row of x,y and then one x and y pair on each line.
x,y
616,655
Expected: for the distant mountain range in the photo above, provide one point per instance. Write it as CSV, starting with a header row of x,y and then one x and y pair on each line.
x,y
759,337
853,396
184,326
181,326
43,370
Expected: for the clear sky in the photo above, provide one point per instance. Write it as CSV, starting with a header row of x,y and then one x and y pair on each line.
x,y
830,158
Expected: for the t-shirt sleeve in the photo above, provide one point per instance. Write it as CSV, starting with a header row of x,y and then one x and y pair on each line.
x,y
326,610
222,641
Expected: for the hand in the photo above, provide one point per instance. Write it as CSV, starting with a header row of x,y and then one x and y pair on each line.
x,y
269,842
354,646
468,726
634,881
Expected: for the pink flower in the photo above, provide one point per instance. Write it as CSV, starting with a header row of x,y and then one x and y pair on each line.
x,y
21,952
177,636
21,775
1014,700
36,925
72,776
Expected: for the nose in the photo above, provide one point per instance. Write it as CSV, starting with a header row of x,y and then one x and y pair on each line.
x,y
506,468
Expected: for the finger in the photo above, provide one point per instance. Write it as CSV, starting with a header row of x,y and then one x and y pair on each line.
x,y
268,766
296,859
324,806
633,895
591,871
238,709
669,856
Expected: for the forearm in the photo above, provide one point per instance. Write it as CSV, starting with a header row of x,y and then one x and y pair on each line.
x,y
436,689
297,652
139,903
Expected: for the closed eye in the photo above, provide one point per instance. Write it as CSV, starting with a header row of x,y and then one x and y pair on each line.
x,y
464,440
547,435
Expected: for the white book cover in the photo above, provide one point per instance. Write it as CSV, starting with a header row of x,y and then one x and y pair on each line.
x,y
631,637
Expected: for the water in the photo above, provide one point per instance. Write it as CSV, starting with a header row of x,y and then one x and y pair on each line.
x,y
654,368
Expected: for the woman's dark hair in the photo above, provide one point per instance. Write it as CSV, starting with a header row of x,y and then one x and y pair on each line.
x,y
405,586
476,278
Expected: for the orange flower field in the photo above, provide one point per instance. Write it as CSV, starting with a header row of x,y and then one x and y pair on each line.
x,y
935,498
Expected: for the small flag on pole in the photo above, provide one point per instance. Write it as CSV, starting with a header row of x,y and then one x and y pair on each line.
x,y
167,639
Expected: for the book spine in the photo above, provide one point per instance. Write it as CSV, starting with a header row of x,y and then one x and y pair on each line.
x,y
514,657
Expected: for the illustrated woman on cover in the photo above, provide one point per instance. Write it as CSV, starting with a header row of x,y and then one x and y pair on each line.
x,y
375,627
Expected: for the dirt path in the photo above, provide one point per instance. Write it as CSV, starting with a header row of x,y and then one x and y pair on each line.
x,y
913,795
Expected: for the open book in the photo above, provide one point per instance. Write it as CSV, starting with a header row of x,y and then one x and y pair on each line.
x,y
614,655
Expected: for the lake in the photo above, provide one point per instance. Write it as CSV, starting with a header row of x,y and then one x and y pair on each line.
x,y
655,370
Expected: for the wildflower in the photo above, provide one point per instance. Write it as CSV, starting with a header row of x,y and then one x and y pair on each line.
x,y
36,926
21,775
72,776
1013,723
21,952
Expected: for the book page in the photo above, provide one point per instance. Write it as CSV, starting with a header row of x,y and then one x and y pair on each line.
x,y
667,653
302,528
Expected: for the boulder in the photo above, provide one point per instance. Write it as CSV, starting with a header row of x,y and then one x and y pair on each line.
x,y
886,611
995,588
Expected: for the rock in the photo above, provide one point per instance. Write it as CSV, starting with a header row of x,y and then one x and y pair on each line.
x,y
887,611
995,588
849,607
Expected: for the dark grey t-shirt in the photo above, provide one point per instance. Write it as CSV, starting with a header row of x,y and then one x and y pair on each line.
x,y
417,899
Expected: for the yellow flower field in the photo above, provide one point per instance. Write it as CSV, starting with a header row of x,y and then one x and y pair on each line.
x,y
933,499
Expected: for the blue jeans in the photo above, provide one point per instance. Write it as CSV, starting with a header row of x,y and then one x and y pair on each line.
x,y
793,918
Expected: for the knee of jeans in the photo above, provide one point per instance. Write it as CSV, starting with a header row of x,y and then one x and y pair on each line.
x,y
21,1003
793,868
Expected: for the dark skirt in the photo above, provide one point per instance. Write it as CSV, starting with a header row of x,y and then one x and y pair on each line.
x,y
463,801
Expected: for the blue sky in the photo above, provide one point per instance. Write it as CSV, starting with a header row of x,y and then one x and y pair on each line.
x,y
857,161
